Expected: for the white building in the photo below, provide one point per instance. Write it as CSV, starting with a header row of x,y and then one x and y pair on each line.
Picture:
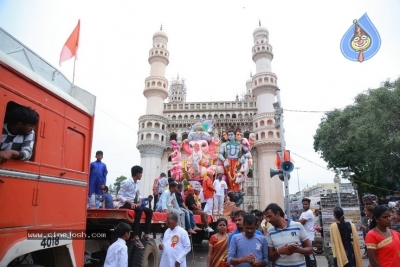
x,y
165,121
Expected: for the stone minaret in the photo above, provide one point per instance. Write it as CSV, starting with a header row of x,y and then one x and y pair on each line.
x,y
177,91
267,137
152,134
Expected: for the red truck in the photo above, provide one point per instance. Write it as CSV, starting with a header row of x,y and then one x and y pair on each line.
x,y
44,220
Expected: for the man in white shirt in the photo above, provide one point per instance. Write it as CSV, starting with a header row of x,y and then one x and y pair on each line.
x,y
220,187
129,197
307,220
117,253
169,203
175,244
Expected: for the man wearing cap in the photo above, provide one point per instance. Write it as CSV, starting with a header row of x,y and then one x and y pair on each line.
x,y
155,189
191,204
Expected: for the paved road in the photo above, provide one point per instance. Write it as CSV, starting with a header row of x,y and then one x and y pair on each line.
x,y
200,257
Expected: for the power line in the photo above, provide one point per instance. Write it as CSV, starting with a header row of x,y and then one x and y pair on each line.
x,y
97,107
352,179
308,160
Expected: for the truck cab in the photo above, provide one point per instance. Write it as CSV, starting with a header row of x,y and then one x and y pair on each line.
x,y
46,194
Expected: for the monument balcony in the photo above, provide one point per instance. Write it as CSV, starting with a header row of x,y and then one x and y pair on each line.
x,y
153,118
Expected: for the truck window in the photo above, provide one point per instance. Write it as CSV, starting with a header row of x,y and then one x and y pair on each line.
x,y
20,141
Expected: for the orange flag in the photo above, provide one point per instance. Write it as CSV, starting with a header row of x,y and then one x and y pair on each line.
x,y
71,45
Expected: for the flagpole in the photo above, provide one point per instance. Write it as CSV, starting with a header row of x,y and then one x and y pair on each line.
x,y
73,74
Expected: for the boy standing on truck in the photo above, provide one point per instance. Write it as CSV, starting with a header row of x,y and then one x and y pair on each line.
x,y
130,189
117,253
97,180
18,136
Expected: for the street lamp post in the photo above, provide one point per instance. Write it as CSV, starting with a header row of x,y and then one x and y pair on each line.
x,y
336,180
298,181
279,119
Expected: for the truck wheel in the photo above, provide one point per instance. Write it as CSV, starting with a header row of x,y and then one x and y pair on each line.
x,y
131,250
147,257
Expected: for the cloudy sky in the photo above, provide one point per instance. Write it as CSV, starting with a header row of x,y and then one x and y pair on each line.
x,y
210,46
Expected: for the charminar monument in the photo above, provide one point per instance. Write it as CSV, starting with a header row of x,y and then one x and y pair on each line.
x,y
168,117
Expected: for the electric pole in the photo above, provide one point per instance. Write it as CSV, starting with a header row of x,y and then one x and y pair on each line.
x,y
298,181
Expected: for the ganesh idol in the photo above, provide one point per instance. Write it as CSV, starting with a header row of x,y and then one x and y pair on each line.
x,y
200,148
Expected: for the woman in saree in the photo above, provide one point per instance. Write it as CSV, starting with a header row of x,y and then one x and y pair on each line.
x,y
345,243
383,244
218,246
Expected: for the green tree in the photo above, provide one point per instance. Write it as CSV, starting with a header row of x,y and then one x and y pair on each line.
x,y
117,184
363,140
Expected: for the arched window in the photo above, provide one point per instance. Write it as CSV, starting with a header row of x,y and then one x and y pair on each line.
x,y
261,123
270,122
270,134
174,117
141,138
156,137
221,116
197,116
149,125
157,125
148,136
185,117
162,138
192,117
179,117
278,134
172,136
262,135
255,125
228,116
203,116
233,116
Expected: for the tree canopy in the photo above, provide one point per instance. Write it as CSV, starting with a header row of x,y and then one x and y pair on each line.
x,y
363,140
117,183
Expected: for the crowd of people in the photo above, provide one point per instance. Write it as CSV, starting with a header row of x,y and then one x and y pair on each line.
x,y
258,238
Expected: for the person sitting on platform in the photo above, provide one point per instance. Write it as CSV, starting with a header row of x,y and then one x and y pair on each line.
x,y
130,189
107,199
191,204
168,203
189,217
147,201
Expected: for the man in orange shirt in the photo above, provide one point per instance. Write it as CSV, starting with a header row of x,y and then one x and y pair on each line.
x,y
208,192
